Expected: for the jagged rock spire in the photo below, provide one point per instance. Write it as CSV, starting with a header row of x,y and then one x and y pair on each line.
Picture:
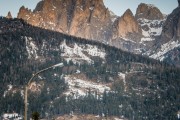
x,y
9,16
125,25
179,3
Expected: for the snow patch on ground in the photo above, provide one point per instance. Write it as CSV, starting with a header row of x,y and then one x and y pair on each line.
x,y
79,87
77,53
118,119
9,89
123,76
94,51
31,48
165,48
35,87
12,116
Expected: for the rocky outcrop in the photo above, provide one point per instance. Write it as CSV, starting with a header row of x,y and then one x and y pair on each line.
x,y
28,16
9,16
167,48
171,28
126,26
82,18
149,12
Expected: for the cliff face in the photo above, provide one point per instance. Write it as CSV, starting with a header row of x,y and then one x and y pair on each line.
x,y
167,48
82,18
171,28
149,12
91,19
126,26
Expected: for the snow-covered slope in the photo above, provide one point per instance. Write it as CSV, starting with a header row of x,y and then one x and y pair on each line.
x,y
78,53
80,87
31,48
150,29
165,48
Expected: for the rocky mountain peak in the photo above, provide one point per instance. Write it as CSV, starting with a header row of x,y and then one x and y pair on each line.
x,y
179,3
148,11
9,16
126,26
23,11
39,6
128,12
82,18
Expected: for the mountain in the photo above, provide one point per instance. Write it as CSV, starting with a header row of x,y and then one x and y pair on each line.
x,y
96,80
167,47
90,19
148,32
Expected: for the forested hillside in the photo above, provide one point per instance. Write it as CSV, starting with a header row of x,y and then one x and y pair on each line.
x,y
96,78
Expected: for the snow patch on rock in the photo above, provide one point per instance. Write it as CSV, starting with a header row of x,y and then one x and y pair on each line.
x,y
150,28
165,48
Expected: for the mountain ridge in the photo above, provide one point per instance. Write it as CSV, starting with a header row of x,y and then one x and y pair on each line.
x,y
143,33
93,14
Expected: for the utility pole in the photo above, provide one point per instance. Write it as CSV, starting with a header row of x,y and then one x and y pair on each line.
x,y
25,103
29,82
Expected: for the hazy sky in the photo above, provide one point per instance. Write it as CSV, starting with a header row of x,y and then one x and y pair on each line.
x,y
117,6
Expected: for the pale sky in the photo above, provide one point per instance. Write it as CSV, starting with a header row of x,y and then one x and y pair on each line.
x,y
117,6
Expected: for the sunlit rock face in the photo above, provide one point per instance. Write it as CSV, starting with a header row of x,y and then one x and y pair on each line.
x,y
148,11
126,25
9,16
83,18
